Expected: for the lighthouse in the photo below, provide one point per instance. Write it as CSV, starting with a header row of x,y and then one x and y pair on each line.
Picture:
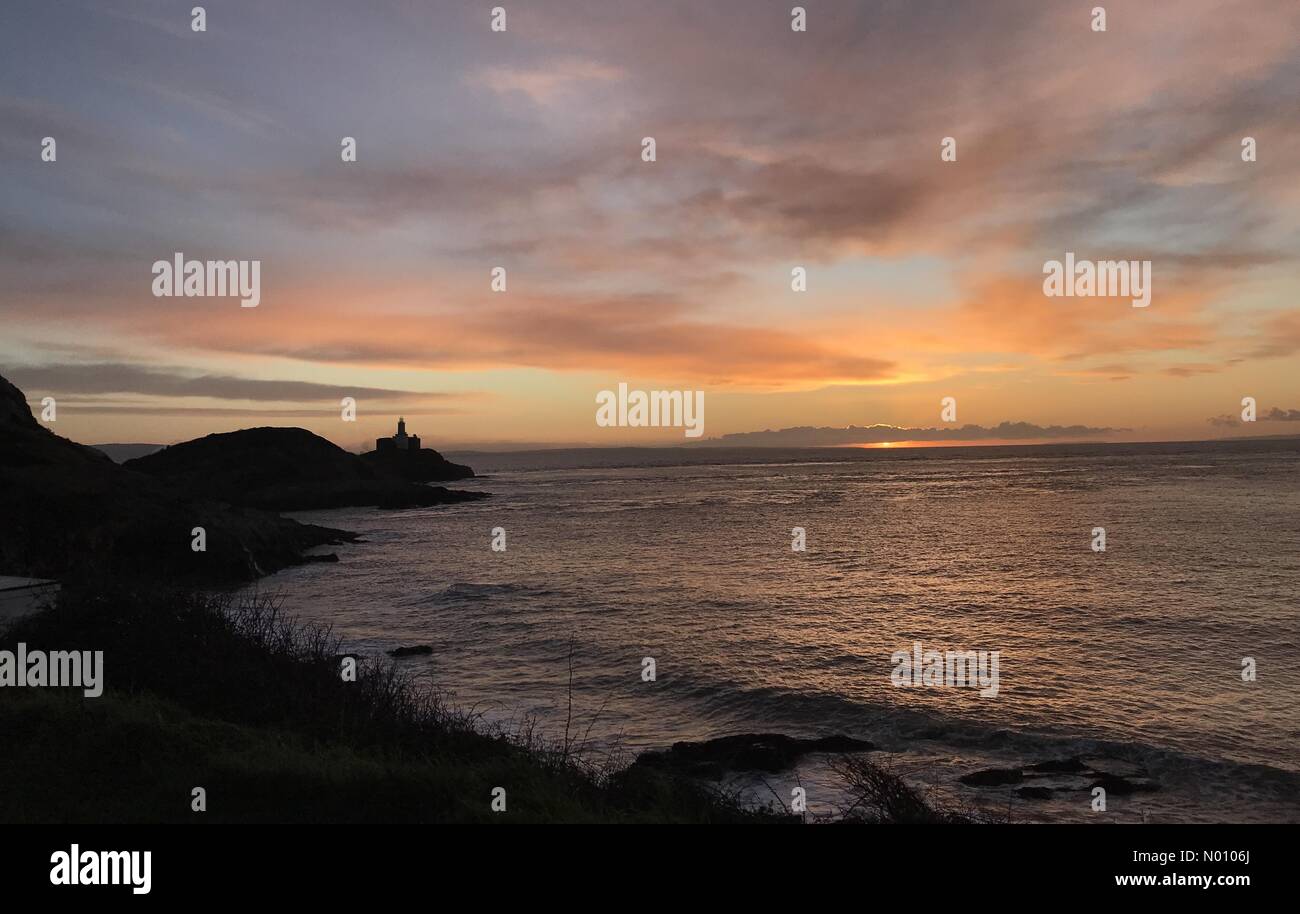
x,y
399,442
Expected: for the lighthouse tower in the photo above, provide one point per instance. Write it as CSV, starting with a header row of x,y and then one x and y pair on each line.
x,y
399,442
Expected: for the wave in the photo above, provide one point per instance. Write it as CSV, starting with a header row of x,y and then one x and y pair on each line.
x,y
897,729
469,590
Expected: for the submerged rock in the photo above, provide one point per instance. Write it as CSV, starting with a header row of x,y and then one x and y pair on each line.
x,y
1063,774
771,752
1119,785
993,777
411,651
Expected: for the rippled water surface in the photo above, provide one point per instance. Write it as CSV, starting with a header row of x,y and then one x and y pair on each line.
x,y
1132,656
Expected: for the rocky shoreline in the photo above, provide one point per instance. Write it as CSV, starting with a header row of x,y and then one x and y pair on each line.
x,y
203,512
714,760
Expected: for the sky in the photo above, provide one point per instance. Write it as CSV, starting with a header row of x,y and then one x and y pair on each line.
x,y
774,149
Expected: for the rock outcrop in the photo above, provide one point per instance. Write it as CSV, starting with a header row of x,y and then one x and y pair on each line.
x,y
68,512
770,752
286,469
418,650
424,465
1043,780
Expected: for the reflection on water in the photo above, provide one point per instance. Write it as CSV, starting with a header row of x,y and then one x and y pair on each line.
x,y
1133,654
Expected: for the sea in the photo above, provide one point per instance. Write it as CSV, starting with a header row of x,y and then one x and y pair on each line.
x,y
1171,658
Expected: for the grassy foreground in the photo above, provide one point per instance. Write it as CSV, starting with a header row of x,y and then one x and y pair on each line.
x,y
202,691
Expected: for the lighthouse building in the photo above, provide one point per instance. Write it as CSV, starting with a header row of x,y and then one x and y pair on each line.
x,y
399,442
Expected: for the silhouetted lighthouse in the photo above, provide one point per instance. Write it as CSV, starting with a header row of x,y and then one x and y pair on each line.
x,y
399,442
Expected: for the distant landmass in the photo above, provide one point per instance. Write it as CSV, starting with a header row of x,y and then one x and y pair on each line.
x,y
810,436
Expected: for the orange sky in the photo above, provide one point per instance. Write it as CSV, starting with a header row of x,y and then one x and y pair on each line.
x,y
775,149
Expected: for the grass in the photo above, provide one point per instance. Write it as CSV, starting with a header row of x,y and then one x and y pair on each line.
x,y
883,795
204,690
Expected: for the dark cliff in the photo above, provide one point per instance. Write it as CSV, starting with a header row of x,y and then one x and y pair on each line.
x,y
424,465
286,469
68,512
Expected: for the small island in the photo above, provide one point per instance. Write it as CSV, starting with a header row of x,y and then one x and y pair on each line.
x,y
401,456
292,469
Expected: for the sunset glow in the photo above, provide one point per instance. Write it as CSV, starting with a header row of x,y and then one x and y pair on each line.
x,y
606,412
924,278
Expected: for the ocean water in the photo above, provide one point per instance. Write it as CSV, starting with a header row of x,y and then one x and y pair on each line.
x,y
1130,657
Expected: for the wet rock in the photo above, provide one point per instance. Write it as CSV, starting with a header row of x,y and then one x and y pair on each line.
x,y
1118,785
770,752
993,777
1060,766
413,651
1052,775
838,743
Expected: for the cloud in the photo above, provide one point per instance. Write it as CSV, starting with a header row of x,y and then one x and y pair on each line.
x,y
775,148
1280,337
1191,371
1273,415
115,378
547,81
628,334
1009,312
89,409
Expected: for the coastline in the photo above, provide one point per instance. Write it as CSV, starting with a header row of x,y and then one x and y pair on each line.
x,y
112,527
418,580
235,698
